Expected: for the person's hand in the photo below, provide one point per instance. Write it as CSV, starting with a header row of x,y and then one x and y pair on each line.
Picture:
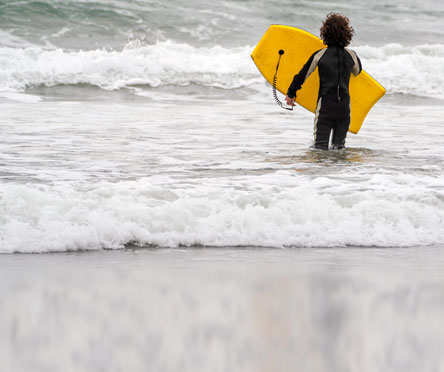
x,y
290,101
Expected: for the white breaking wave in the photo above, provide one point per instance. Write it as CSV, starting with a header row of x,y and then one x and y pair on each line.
x,y
383,211
415,70
165,63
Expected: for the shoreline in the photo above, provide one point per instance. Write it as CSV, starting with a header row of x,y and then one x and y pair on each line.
x,y
130,247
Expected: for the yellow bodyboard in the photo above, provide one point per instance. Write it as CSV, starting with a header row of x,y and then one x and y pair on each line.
x,y
298,45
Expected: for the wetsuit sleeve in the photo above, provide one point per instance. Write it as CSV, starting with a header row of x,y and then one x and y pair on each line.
x,y
360,65
299,78
357,67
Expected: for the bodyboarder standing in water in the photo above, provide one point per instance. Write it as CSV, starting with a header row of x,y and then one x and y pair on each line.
x,y
335,64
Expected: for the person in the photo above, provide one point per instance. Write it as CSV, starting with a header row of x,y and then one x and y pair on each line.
x,y
335,65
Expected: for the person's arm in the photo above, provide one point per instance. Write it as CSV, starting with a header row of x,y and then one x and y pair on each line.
x,y
300,78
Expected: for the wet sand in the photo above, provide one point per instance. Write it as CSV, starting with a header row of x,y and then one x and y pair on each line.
x,y
224,309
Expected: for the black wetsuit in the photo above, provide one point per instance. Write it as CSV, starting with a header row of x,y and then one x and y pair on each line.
x,y
335,64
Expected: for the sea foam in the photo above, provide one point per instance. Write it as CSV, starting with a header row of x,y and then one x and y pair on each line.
x,y
278,210
166,63
417,70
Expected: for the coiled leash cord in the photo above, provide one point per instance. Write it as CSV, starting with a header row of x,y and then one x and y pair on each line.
x,y
281,52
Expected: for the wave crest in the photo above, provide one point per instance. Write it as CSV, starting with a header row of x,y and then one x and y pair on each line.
x,y
316,213
417,70
165,63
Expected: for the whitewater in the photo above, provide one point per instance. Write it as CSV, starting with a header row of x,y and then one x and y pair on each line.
x,y
402,69
212,176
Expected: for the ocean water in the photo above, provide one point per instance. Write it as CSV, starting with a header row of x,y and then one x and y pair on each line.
x,y
146,123
141,123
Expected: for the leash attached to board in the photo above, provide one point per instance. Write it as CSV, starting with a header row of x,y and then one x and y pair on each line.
x,y
281,52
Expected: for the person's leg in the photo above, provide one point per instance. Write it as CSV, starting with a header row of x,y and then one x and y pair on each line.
x,y
322,124
342,123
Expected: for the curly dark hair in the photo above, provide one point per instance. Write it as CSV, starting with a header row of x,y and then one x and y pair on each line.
x,y
336,30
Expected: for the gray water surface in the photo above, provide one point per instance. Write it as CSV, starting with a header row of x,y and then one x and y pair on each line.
x,y
223,310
